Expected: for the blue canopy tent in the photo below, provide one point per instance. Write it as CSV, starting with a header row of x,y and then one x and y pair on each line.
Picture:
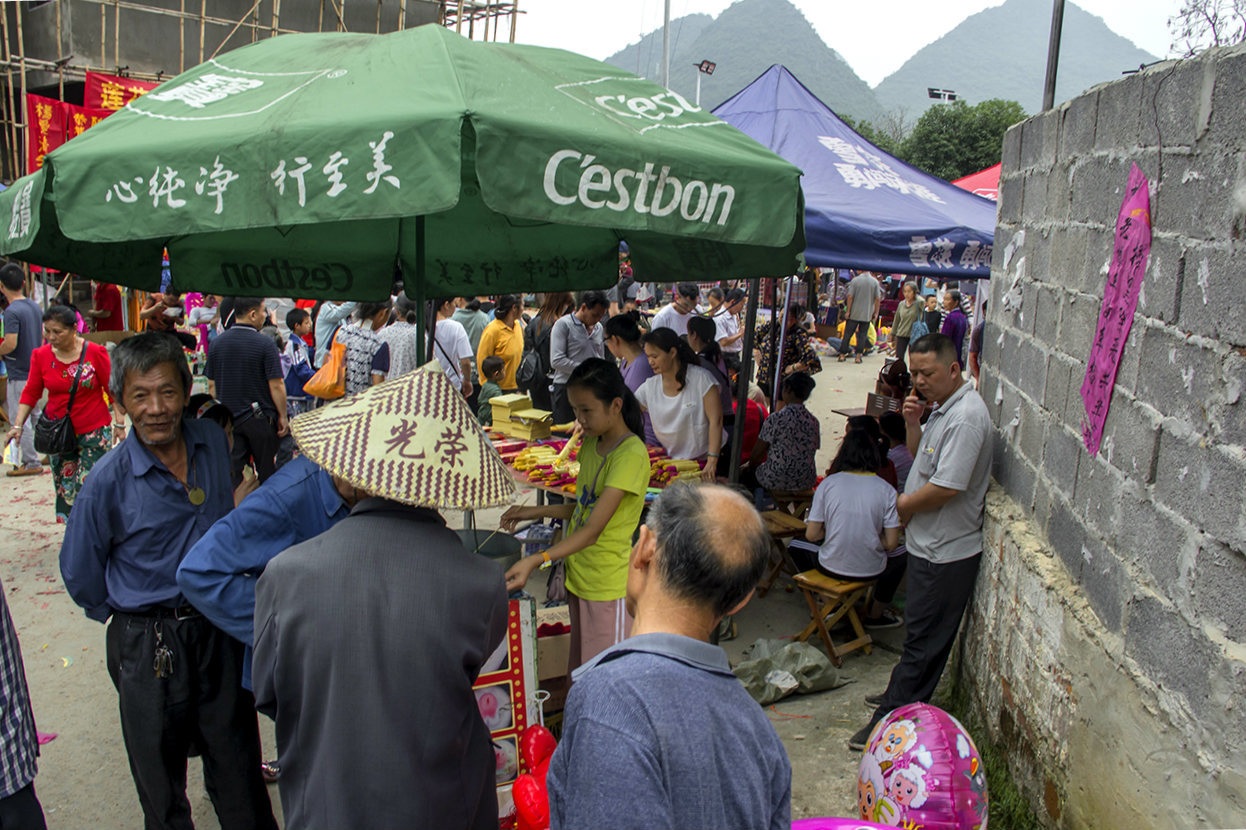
x,y
863,208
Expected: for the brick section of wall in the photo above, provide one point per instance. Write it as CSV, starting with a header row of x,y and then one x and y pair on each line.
x,y
1136,557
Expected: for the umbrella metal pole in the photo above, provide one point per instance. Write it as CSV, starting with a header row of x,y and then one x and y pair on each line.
x,y
746,372
787,306
422,320
774,319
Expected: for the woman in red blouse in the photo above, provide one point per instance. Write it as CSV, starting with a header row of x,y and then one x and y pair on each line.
x,y
52,367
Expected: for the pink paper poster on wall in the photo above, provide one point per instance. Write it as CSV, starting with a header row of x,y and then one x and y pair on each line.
x,y
1120,298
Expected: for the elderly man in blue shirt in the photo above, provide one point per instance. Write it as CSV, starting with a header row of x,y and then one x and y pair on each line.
x,y
650,721
178,677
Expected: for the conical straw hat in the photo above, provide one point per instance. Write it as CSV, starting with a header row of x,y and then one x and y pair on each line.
x,y
412,439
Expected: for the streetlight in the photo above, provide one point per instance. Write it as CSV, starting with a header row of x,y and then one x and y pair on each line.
x,y
703,68
940,94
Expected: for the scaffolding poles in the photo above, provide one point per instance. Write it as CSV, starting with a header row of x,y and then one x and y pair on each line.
x,y
491,14
457,12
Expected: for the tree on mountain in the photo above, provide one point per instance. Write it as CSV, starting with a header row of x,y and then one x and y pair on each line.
x,y
879,138
953,140
1204,23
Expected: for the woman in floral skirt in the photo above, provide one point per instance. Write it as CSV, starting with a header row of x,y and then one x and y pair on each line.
x,y
53,367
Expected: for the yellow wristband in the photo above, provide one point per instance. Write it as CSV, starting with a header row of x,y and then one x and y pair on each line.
x,y
545,560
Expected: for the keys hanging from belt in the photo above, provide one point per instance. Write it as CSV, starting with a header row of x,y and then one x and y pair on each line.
x,y
163,664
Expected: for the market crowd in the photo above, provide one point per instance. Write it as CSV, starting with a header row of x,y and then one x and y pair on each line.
x,y
245,554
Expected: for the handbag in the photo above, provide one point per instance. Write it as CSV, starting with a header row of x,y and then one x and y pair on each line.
x,y
56,436
556,585
329,382
530,369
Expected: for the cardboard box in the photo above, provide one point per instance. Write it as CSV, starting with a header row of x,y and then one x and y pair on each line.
x,y
557,688
552,652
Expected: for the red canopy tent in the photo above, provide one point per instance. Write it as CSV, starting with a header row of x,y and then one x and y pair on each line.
x,y
983,183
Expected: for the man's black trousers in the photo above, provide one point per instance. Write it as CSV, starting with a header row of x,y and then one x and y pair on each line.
x,y
201,703
937,597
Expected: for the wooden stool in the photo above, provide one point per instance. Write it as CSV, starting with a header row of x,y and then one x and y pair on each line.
x,y
840,599
780,525
784,522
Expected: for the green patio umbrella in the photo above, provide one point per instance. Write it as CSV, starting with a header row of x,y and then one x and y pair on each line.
x,y
315,165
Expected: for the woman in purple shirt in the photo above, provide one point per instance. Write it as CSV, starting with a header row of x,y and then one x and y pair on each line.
x,y
623,340
955,324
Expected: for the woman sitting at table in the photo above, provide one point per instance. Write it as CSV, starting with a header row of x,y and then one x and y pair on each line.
x,y
783,456
682,401
854,518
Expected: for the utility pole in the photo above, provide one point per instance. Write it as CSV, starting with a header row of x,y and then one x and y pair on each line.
x,y
1053,54
666,44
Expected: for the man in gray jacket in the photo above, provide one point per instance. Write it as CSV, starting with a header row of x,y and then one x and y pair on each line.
x,y
368,638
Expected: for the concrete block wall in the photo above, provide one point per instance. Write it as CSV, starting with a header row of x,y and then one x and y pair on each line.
x,y
1107,645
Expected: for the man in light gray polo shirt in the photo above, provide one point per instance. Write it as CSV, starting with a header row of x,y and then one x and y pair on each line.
x,y
575,337
942,504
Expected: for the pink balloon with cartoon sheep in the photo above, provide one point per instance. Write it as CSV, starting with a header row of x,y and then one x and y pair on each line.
x,y
920,768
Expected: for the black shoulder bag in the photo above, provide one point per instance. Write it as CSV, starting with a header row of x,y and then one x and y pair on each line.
x,y
56,436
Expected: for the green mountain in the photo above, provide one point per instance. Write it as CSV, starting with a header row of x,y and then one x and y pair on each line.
x,y
1002,53
744,41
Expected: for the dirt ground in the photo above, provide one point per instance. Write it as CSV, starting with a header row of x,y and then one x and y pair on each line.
x,y
84,778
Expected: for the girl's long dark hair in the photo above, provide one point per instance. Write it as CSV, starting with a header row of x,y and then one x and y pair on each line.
x,y
858,453
604,380
666,339
705,329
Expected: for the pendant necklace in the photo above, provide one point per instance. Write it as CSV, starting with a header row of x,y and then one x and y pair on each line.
x,y
193,492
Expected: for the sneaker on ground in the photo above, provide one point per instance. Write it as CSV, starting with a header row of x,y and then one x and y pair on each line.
x,y
888,619
874,701
860,738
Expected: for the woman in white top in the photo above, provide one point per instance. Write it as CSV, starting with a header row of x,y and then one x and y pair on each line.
x,y
682,401
854,517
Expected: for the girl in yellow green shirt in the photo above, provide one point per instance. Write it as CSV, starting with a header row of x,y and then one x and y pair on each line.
x,y
610,495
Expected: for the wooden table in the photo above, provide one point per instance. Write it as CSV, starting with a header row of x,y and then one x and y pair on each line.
x,y
849,413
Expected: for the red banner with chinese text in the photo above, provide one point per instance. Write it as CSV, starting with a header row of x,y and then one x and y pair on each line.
x,y
112,92
45,129
79,119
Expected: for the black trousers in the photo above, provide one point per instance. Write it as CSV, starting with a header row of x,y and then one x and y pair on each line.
x,y
937,597
561,407
201,702
541,396
256,441
862,330
22,810
902,347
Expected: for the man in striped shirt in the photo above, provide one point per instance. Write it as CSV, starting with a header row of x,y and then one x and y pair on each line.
x,y
18,805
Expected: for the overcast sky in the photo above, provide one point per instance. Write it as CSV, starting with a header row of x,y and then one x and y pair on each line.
x,y
875,36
